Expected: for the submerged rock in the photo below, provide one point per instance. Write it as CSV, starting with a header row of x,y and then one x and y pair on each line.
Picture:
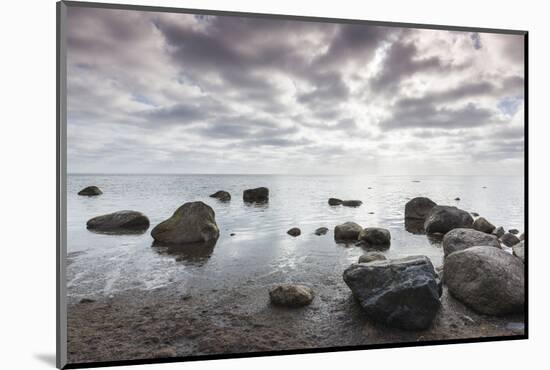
x,y
90,191
191,223
351,203
375,237
334,201
487,279
294,232
509,239
401,293
371,256
418,208
442,219
221,195
321,231
481,224
257,195
460,239
499,231
291,295
348,231
519,250
513,231
119,222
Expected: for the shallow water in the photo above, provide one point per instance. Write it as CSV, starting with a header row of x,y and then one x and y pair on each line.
x,y
260,253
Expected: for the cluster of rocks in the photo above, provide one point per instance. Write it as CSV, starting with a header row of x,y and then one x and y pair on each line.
x,y
345,203
375,237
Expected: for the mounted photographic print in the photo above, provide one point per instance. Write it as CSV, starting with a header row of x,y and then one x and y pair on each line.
x,y
235,184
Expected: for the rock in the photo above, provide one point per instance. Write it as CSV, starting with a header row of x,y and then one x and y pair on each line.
x,y
522,236
258,195
375,237
475,214
418,208
519,250
415,226
321,231
499,231
442,219
401,293
460,239
193,222
294,232
509,239
347,231
291,295
90,191
334,201
86,300
513,231
221,195
457,199
488,280
119,222
351,203
481,224
371,256
232,234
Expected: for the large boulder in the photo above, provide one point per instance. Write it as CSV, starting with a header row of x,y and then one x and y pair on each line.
x,y
443,219
334,201
519,250
348,231
481,224
119,222
291,295
90,191
375,237
460,239
193,222
487,279
257,195
371,256
352,203
418,208
221,195
509,239
401,293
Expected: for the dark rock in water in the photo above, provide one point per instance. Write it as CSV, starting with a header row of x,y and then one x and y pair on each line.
x,y
348,231
321,231
375,237
334,201
481,224
291,295
460,239
522,236
475,214
418,208
488,280
191,223
499,231
120,222
401,293
509,239
294,232
90,191
415,180
351,203
221,195
86,300
258,195
371,213
371,256
232,234
415,226
442,219
457,198
514,231
519,250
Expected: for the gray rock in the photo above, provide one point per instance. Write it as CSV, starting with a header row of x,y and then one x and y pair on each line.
x,y
351,203
348,231
475,214
334,201
499,231
193,222
291,295
257,195
519,250
418,208
371,256
457,199
488,280
460,239
522,236
321,231
90,191
294,232
401,293
513,231
481,224
509,239
443,219
375,237
221,195
120,222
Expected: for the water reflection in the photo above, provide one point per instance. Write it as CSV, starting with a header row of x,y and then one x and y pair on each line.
x,y
196,254
120,231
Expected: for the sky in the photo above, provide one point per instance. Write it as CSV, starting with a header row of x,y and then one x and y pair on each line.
x,y
151,92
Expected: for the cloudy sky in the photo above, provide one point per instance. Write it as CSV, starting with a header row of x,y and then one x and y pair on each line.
x,y
176,93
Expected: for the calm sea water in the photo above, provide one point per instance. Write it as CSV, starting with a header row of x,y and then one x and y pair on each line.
x,y
260,253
